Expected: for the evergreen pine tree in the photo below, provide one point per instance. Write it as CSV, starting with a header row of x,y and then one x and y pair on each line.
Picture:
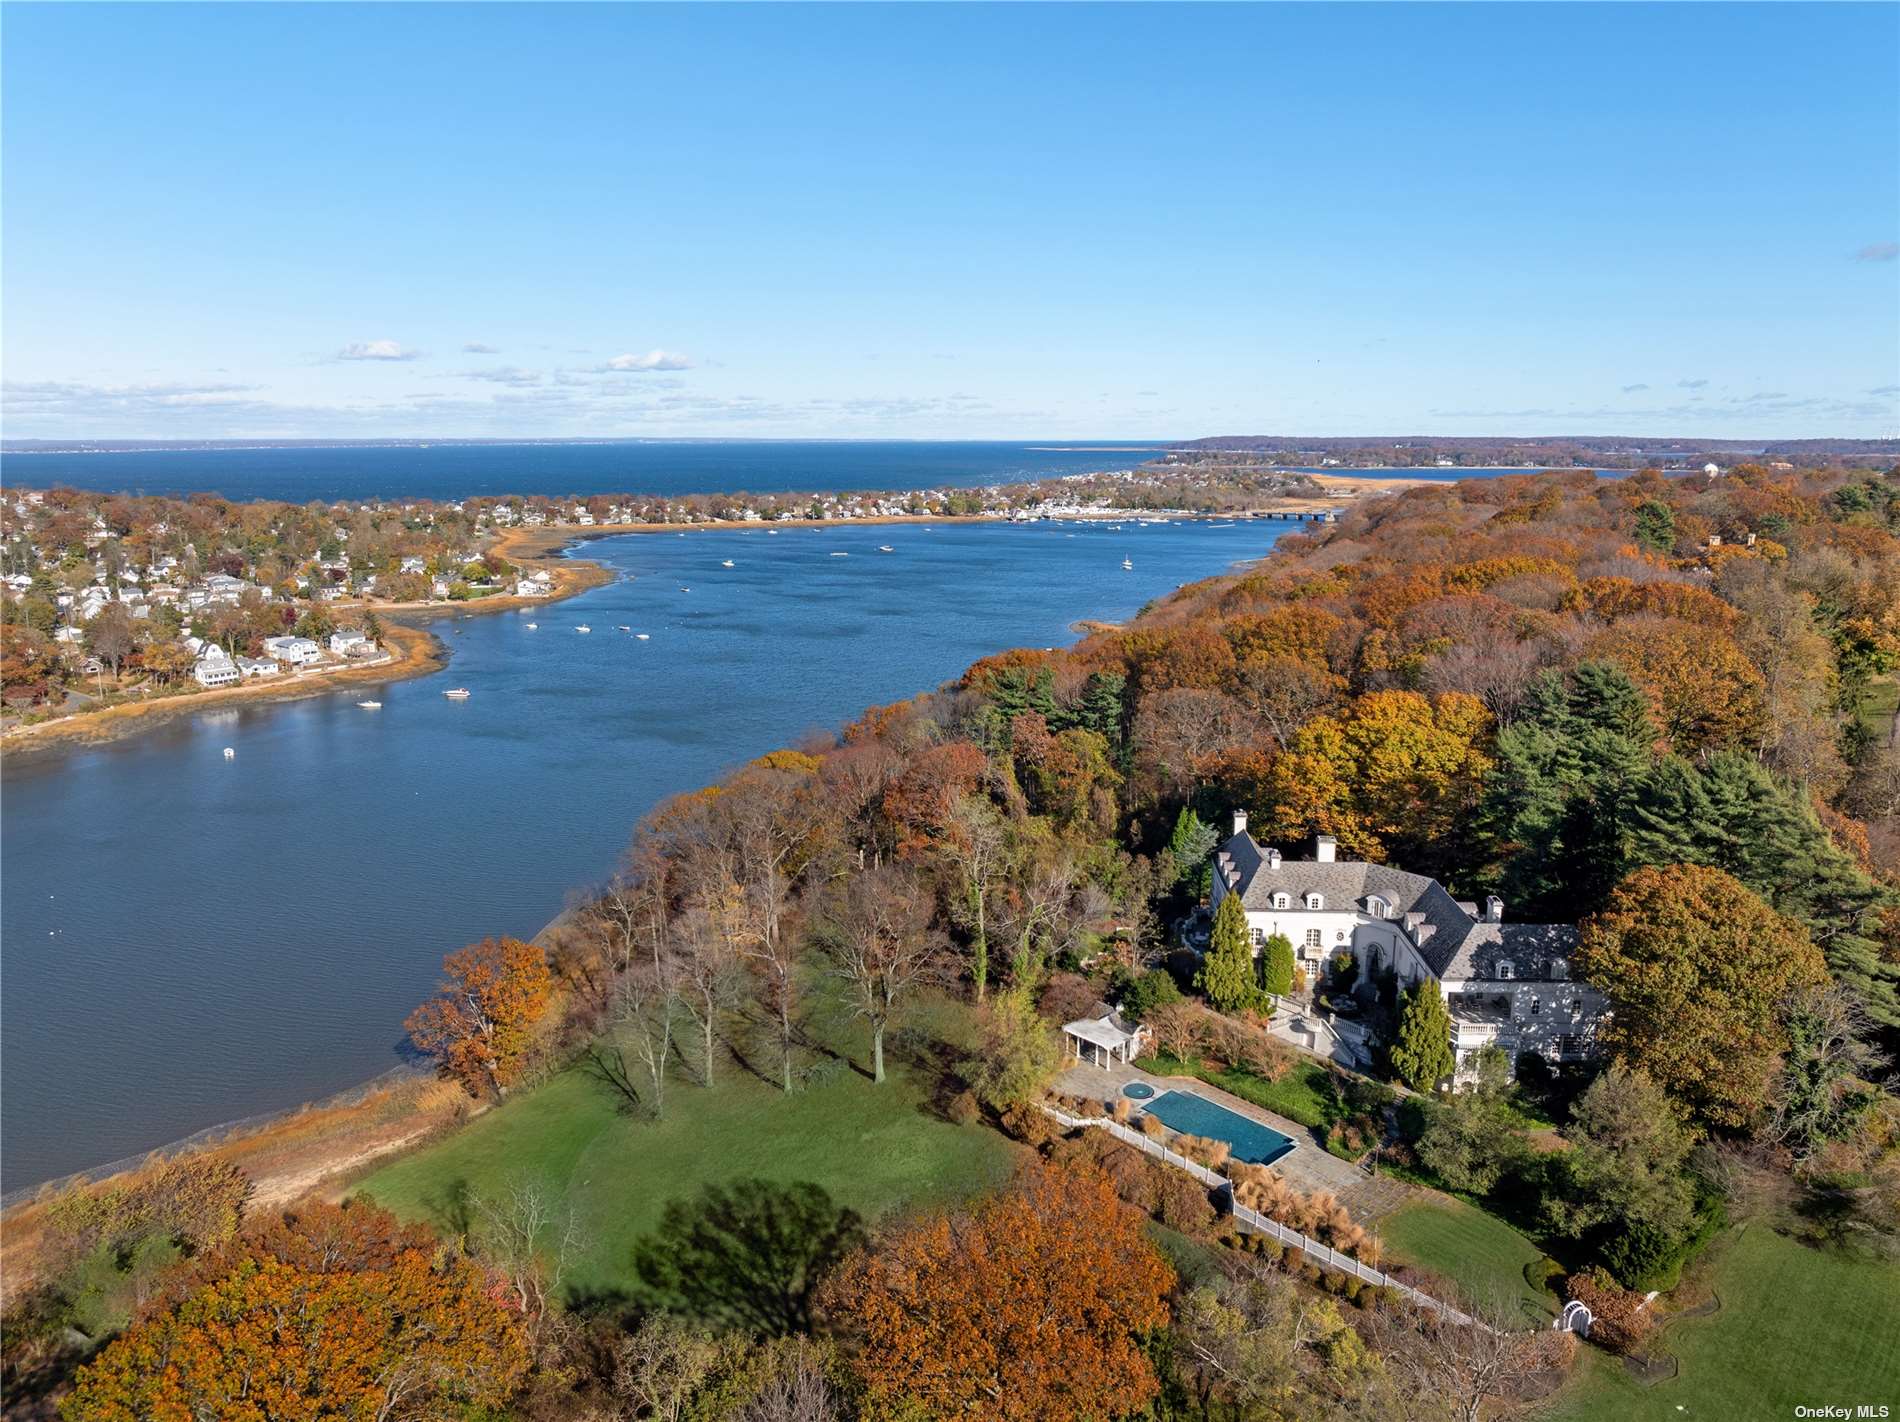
x,y
1422,1055
1656,525
1226,977
1190,844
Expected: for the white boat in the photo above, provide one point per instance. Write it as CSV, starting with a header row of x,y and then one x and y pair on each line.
x,y
622,627
533,625
642,636
457,693
371,705
726,564
583,627
229,754
841,555
1129,564
685,589
885,548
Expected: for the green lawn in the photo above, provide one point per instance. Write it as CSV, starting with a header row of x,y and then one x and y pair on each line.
x,y
1880,704
1304,1094
874,1148
1796,1325
1479,1253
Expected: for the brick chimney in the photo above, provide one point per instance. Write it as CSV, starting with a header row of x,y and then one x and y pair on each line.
x,y
1240,821
1493,909
1325,848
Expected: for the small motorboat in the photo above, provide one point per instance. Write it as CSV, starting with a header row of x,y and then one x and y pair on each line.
x,y
726,564
371,705
885,548
622,627
685,589
457,693
583,627
641,636
229,754
841,555
532,625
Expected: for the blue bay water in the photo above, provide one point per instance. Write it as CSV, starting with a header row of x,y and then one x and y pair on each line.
x,y
188,940
672,467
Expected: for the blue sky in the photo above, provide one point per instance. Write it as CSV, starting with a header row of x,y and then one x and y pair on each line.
x,y
943,221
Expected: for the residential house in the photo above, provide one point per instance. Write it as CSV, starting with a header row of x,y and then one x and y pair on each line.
x,y
1506,984
298,651
215,668
252,667
351,643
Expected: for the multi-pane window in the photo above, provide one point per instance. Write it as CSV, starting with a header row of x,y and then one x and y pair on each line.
x,y
1313,938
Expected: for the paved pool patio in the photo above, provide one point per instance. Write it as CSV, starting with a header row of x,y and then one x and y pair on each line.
x,y
1307,1166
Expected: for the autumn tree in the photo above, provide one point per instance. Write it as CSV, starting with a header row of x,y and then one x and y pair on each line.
x,y
1695,966
881,943
331,1313
1035,1304
1422,1055
479,1027
1394,772
1227,971
109,636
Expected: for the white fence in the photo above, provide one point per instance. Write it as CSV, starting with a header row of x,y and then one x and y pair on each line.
x,y
1254,1222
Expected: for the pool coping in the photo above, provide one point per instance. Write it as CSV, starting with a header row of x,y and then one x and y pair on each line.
x,y
1292,1141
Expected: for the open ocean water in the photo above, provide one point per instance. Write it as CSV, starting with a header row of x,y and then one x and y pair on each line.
x,y
454,471
189,940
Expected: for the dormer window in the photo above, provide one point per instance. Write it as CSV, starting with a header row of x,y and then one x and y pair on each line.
x,y
1505,971
1376,906
1281,901
1559,969
1315,902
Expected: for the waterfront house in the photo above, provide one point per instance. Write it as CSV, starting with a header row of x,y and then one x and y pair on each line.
x,y
1104,1037
351,643
257,666
1506,984
215,668
298,651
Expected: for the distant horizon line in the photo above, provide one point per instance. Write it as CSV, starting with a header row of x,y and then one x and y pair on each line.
x,y
1124,444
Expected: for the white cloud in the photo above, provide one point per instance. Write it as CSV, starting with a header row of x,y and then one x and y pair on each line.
x,y
504,375
480,348
1632,389
377,350
652,360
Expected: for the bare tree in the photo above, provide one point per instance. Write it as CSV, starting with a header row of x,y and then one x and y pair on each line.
x,y
974,846
519,1230
798,1391
1284,692
1474,1369
706,974
660,1368
645,1009
880,941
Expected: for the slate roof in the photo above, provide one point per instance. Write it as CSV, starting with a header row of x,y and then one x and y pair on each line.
x,y
1454,942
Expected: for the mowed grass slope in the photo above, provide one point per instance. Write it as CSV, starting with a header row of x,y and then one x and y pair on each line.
x,y
1796,1326
874,1148
1482,1256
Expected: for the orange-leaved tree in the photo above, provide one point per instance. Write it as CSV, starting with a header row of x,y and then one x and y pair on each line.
x,y
330,1313
478,1027
1032,1305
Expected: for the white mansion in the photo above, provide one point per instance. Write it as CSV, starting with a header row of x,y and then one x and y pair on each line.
x,y
1506,984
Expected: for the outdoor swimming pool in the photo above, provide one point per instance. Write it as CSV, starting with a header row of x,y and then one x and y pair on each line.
x,y
1197,1116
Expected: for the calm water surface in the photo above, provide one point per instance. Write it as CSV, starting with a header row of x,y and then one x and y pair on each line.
x,y
188,940
454,471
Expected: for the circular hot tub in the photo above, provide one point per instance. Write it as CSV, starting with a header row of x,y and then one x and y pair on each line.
x,y
1138,1091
